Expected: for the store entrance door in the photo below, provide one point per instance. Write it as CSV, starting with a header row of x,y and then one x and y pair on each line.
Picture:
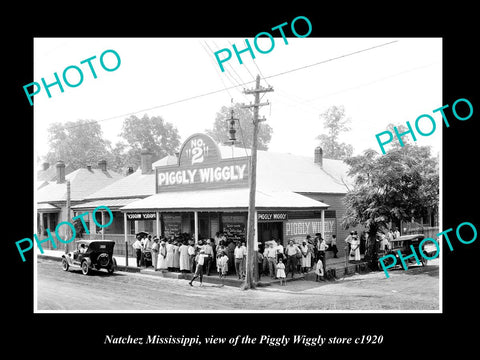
x,y
270,230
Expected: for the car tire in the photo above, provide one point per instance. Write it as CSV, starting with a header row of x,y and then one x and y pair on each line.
x,y
65,265
112,266
85,268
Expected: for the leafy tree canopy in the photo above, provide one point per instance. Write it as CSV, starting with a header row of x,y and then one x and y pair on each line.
x,y
146,133
78,143
400,185
335,123
81,143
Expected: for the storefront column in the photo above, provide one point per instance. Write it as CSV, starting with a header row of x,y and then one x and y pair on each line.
x,y
255,248
49,221
103,222
159,224
323,223
195,218
125,227
42,224
255,234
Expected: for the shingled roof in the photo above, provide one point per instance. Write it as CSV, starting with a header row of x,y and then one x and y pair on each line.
x,y
83,182
134,185
275,172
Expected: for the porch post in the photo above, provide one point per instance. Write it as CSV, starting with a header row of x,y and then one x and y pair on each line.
x,y
49,221
323,223
103,222
255,235
159,225
125,229
195,218
255,249
42,224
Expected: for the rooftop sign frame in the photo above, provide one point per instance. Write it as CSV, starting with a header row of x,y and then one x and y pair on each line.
x,y
200,166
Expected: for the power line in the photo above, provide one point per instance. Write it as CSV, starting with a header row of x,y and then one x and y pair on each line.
x,y
245,64
244,83
229,76
331,59
214,65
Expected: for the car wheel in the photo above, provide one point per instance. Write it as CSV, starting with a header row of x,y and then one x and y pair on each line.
x,y
65,265
85,268
112,266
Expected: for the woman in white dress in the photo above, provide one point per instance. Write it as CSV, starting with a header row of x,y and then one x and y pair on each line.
x,y
355,248
162,256
281,272
170,253
184,257
176,256
306,257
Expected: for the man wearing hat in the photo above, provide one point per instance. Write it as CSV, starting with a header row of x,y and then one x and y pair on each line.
x,y
155,248
208,250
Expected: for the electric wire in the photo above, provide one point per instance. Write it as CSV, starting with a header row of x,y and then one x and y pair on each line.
x,y
241,84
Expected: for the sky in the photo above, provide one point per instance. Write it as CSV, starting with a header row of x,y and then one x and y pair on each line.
x,y
378,81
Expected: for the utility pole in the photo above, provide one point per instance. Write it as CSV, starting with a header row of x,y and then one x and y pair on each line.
x,y
68,215
251,251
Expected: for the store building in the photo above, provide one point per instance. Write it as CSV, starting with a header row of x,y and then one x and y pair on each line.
x,y
135,186
205,190
51,197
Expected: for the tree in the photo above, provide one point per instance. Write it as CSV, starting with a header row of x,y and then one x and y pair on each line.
x,y
400,185
219,131
148,133
335,123
77,143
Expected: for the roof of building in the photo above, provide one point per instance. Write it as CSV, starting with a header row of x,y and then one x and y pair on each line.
x,y
83,182
47,207
50,174
275,171
133,185
112,204
235,199
289,172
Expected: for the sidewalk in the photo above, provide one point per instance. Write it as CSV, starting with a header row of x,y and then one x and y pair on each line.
x,y
335,267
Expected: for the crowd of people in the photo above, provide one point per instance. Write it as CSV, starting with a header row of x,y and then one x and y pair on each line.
x,y
181,254
278,261
226,256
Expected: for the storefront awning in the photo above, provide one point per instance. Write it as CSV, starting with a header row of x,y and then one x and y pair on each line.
x,y
224,200
46,207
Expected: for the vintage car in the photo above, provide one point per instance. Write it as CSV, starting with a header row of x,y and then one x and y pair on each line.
x,y
402,244
91,254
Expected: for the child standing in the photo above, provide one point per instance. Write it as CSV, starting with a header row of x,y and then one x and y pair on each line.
x,y
319,270
222,265
281,272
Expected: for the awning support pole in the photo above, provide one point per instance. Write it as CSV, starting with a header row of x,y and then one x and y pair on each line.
x,y
323,223
195,217
125,227
103,223
159,225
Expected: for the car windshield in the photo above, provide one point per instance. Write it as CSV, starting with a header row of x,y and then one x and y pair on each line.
x,y
81,246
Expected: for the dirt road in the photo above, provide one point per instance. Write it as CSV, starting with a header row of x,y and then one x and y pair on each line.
x,y
415,289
